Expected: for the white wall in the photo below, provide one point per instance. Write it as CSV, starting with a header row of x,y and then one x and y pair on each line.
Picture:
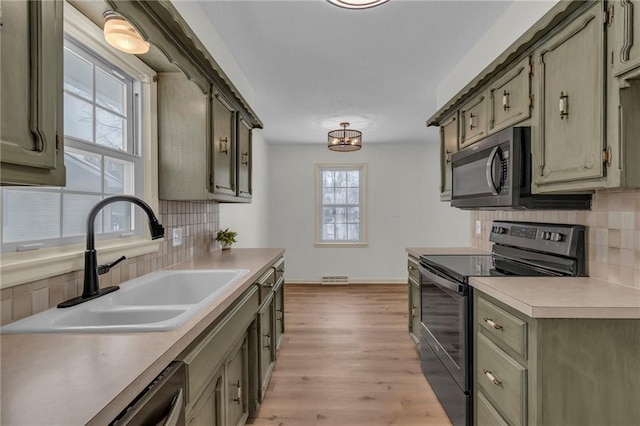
x,y
250,220
517,19
403,206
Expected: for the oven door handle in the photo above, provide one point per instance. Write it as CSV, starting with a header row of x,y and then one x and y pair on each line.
x,y
441,282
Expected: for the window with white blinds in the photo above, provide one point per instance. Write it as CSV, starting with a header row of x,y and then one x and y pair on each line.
x,y
102,158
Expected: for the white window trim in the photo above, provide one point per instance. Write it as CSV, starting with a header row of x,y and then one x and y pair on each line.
x,y
363,214
23,267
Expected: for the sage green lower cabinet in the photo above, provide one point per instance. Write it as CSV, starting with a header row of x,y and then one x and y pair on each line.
x,y
278,294
266,344
553,371
236,370
214,354
207,411
413,286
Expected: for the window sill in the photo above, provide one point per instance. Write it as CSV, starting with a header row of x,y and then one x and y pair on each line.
x,y
25,267
341,245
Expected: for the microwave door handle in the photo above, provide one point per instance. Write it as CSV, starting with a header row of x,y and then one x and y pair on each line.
x,y
489,170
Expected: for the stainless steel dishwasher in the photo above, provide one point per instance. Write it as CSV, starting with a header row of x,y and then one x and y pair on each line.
x,y
161,403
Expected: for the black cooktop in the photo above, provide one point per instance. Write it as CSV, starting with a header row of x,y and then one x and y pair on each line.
x,y
462,266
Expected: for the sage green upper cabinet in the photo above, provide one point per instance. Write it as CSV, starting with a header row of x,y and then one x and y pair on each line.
x,y
31,75
448,145
223,146
570,139
510,97
624,17
245,157
473,120
183,114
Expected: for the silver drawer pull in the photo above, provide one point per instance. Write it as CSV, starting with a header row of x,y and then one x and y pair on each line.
x,y
491,377
562,105
238,397
412,268
493,324
505,101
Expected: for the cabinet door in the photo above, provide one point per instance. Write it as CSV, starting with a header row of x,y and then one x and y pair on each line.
x,y
414,310
237,384
244,158
448,145
266,353
31,76
509,97
572,84
473,120
278,295
208,410
223,170
625,52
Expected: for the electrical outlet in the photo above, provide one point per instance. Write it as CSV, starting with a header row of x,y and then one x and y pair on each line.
x,y
478,227
177,237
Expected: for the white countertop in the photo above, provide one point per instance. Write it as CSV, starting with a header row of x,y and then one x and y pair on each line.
x,y
557,297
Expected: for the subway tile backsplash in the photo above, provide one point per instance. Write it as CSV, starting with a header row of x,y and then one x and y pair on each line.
x,y
199,221
613,232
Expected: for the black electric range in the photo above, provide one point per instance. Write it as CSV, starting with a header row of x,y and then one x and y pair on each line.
x,y
446,344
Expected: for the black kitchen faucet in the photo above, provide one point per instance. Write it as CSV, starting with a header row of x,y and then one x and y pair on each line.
x,y
91,288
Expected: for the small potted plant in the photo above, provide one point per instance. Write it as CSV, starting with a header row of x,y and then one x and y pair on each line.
x,y
226,238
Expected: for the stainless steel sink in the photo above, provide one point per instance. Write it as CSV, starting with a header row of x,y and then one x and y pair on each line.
x,y
160,301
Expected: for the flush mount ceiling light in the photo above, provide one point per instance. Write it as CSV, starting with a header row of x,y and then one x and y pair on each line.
x,y
120,34
343,140
357,4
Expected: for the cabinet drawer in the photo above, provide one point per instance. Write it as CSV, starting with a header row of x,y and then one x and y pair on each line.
x,y
509,98
266,283
204,358
511,331
502,379
412,267
473,120
487,415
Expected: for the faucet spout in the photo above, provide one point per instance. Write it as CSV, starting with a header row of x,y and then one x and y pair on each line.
x,y
91,289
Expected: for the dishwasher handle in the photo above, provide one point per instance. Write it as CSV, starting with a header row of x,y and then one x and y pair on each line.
x,y
177,408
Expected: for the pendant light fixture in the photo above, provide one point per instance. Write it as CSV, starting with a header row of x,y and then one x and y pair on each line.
x,y
120,34
357,4
344,140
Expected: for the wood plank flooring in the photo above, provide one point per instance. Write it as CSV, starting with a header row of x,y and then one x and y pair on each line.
x,y
347,360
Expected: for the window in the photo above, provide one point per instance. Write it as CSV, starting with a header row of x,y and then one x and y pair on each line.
x,y
102,158
340,205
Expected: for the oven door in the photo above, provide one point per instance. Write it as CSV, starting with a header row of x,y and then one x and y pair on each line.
x,y
445,317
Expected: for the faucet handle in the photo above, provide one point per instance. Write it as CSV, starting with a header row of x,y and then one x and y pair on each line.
x,y
103,269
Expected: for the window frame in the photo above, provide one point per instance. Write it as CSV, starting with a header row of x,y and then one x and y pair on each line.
x,y
23,267
318,205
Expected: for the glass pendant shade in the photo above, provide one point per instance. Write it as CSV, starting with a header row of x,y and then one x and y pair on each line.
x,y
344,140
119,33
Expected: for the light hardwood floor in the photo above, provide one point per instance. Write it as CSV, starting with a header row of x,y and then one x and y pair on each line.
x,y
347,360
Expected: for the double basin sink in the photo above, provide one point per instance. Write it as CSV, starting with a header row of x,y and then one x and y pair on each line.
x,y
159,301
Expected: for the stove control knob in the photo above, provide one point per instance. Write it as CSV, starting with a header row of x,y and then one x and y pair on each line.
x,y
501,230
545,235
555,236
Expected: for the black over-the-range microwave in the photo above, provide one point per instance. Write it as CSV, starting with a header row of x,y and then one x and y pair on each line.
x,y
495,173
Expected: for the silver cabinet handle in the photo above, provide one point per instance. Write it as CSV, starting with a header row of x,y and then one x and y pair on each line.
x,y
413,311
412,268
176,410
471,117
245,159
268,345
563,105
491,377
238,398
493,324
505,101
224,150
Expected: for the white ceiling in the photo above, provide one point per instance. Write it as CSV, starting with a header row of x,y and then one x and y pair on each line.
x,y
313,65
